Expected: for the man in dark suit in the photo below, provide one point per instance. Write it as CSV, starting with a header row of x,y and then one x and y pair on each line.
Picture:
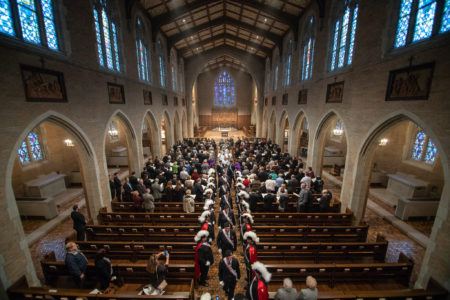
x,y
226,216
118,186
198,190
133,180
229,274
292,184
226,239
79,223
128,188
141,188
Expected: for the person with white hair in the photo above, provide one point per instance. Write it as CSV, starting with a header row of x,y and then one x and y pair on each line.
x,y
250,253
258,287
287,292
188,202
311,292
203,257
205,220
226,215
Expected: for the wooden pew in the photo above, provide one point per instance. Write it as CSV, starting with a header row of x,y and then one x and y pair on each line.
x,y
319,252
139,250
140,233
147,218
159,207
303,218
334,273
129,272
292,207
176,290
356,233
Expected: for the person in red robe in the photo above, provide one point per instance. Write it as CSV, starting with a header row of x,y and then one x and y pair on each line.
x,y
258,287
203,257
250,254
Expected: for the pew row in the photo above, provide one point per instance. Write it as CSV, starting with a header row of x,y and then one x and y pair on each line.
x,y
303,218
159,207
148,218
292,207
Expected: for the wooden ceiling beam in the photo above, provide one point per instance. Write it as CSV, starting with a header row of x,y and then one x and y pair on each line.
x,y
262,48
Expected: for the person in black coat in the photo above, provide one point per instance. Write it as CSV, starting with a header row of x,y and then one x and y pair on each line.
x,y
103,269
204,257
226,239
198,190
118,187
292,184
229,274
226,216
324,201
133,180
76,263
226,200
128,188
79,223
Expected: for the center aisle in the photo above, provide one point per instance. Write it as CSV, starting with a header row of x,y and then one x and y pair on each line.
x,y
215,289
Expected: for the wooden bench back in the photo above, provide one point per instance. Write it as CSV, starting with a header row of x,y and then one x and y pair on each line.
x,y
147,218
159,207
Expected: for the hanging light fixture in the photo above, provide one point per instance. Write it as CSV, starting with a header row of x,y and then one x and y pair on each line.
x,y
338,131
383,142
69,143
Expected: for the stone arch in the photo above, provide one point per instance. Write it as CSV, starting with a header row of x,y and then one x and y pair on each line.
x,y
297,134
361,177
91,178
131,140
153,132
320,138
284,121
168,130
177,135
272,133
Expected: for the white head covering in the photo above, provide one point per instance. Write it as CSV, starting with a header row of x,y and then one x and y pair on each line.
x,y
208,203
203,216
207,191
252,236
244,193
200,235
261,269
249,216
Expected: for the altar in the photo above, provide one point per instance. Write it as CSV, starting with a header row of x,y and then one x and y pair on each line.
x,y
407,187
46,185
333,156
118,157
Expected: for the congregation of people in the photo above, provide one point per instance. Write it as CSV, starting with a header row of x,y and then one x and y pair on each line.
x,y
198,170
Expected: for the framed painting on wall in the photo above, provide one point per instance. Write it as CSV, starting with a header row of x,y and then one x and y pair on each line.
x,y
335,92
116,93
42,85
148,100
411,83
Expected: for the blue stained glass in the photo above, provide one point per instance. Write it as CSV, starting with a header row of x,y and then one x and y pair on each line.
x,y
116,47
162,72
445,24
23,153
6,22
224,90
430,156
287,74
99,39
28,21
35,146
275,78
50,31
418,145
352,35
335,45
425,20
107,39
403,23
344,33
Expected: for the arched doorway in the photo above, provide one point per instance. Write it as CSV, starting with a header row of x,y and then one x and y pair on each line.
x,y
176,128
121,146
166,133
300,137
63,146
283,139
330,147
150,141
273,127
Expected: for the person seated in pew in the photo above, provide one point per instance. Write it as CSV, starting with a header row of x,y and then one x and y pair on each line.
x,y
287,292
226,215
77,263
148,202
205,220
250,253
103,269
258,287
203,257
188,202
324,201
229,273
310,293
226,239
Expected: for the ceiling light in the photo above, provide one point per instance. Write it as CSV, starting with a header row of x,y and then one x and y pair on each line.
x,y
69,143
383,142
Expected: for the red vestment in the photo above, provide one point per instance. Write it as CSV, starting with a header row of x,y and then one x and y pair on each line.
x,y
197,264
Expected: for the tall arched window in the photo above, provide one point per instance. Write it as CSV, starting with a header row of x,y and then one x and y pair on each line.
x,y
30,149
308,50
106,29
287,65
181,75
143,55
32,21
162,64
344,35
224,89
423,148
420,19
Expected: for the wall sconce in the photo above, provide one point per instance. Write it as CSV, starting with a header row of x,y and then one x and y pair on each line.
x,y
383,142
338,131
113,133
69,143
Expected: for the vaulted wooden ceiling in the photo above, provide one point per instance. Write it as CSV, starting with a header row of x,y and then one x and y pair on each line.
x,y
195,26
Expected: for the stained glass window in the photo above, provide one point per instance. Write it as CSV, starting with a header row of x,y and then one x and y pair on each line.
x,y
267,77
421,19
162,64
174,77
308,51
224,89
36,21
423,148
275,78
344,35
106,35
287,65
30,149
143,61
